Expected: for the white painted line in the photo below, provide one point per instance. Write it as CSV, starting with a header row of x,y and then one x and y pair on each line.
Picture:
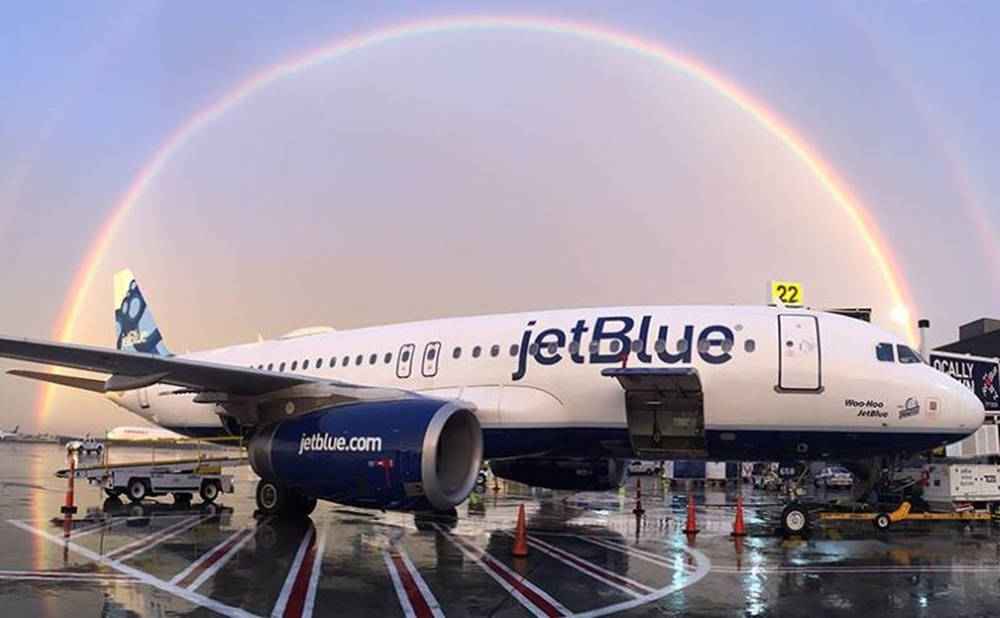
x,y
164,536
212,554
146,578
421,584
293,573
518,587
310,602
703,566
641,554
404,599
590,569
114,553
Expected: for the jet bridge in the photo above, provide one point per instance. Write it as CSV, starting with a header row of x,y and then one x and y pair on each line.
x,y
665,411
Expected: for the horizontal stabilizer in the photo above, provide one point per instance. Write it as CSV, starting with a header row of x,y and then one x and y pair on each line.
x,y
86,384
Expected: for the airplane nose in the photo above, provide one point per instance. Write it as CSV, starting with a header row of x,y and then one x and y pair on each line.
x,y
973,412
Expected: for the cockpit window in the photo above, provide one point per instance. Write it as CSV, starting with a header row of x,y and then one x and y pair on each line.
x,y
883,352
908,355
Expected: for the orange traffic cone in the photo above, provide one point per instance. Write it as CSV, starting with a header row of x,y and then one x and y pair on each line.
x,y
69,509
690,527
520,549
738,522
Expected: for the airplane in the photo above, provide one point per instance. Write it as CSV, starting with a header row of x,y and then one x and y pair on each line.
x,y
400,417
13,433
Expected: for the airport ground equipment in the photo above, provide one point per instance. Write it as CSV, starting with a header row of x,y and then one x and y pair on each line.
x,y
182,478
796,518
976,484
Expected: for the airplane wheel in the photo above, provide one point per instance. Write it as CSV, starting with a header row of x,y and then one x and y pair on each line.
x,y
302,505
271,497
794,519
137,489
882,521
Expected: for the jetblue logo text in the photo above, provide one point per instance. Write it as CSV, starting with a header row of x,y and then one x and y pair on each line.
x,y
326,442
611,338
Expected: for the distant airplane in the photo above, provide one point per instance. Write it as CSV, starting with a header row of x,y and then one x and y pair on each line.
x,y
4,435
400,417
141,434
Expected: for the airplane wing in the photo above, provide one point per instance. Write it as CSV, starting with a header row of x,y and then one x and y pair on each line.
x,y
215,383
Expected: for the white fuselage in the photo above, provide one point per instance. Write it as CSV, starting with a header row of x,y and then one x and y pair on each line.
x,y
776,381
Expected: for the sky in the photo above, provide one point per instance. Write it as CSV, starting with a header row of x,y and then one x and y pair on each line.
x,y
484,170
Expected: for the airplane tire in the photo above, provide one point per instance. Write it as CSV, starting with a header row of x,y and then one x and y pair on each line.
x,y
882,521
795,520
271,497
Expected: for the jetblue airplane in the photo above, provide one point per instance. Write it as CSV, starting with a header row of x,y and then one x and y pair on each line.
x,y
13,433
401,416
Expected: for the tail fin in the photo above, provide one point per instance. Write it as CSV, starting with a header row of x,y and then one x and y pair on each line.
x,y
136,330
17,428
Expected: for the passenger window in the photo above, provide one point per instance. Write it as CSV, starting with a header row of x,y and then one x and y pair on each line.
x,y
388,358
594,347
574,347
727,345
372,359
907,355
637,345
319,363
533,349
281,367
495,351
405,356
457,352
305,364
476,351
883,352
358,359
346,361
615,346
333,361
431,353
514,349
749,345
294,365
660,346
270,366
682,346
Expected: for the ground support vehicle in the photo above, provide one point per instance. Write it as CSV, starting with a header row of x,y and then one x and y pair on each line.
x,y
182,478
796,517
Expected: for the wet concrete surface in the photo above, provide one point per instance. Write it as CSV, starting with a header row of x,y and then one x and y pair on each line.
x,y
586,556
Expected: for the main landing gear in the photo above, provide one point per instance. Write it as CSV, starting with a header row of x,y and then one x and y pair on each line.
x,y
276,499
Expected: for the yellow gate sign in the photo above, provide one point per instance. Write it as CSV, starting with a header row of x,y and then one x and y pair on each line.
x,y
788,293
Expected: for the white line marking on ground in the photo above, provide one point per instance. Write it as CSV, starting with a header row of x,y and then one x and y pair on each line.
x,y
508,579
624,584
310,602
164,535
293,572
146,578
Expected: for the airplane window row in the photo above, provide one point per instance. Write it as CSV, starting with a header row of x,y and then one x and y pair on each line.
x,y
906,355
574,348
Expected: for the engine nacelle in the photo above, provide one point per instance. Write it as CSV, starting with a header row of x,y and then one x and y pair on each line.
x,y
552,473
410,455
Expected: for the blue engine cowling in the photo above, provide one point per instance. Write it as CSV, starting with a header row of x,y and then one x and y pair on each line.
x,y
410,455
553,473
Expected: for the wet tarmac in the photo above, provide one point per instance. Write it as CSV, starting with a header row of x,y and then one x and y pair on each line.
x,y
586,556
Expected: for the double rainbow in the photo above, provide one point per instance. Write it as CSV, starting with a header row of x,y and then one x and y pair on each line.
x,y
821,170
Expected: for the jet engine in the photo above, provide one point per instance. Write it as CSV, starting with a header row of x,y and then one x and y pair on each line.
x,y
415,454
574,474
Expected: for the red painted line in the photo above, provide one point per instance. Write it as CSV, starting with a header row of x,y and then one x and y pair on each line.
x,y
547,608
216,555
417,600
151,539
591,568
297,597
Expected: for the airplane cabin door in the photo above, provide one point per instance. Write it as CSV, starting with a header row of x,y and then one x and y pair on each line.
x,y
799,359
404,361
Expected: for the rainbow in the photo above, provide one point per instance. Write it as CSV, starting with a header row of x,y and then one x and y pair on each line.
x,y
821,170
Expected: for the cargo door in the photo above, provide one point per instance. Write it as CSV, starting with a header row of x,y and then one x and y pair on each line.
x,y
799,360
665,411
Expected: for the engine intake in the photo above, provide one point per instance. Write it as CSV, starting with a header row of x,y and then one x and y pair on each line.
x,y
410,455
